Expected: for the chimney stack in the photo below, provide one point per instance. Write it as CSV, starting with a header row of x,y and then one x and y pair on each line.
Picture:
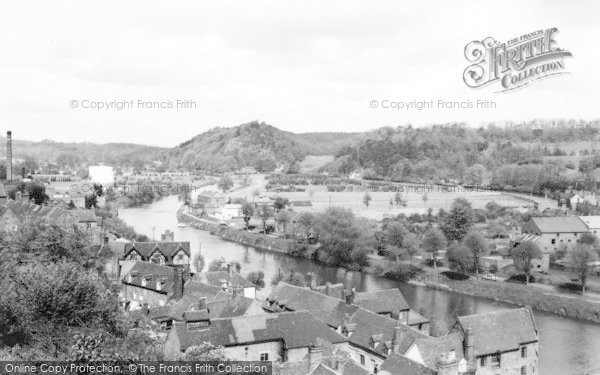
x,y
178,283
9,172
202,304
469,349
350,296
396,339
315,356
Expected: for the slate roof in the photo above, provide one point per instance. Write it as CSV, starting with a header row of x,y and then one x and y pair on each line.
x,y
328,309
367,326
591,221
382,301
297,329
84,216
398,364
153,272
559,224
502,330
432,347
215,277
415,318
168,249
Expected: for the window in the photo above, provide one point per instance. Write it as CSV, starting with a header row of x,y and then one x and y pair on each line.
x,y
482,361
553,241
264,357
496,360
375,369
362,359
524,352
523,370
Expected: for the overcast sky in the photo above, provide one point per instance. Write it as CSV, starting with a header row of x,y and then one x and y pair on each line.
x,y
299,65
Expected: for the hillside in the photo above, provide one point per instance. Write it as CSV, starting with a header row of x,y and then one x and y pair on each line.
x,y
256,145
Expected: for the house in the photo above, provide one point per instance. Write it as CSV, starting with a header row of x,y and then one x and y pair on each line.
x,y
370,334
575,200
332,310
280,338
152,285
228,211
229,280
555,231
504,341
210,201
592,224
163,253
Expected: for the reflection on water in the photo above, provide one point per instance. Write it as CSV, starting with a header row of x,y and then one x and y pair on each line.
x,y
567,346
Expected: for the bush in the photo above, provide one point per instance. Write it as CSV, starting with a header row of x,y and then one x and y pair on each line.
x,y
400,272
455,275
520,279
571,287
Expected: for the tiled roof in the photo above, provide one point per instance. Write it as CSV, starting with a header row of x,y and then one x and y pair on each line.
x,y
382,301
168,249
297,329
330,310
432,347
397,364
215,277
559,224
500,330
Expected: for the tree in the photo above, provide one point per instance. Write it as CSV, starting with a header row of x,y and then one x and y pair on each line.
x,y
216,265
581,258
204,352
588,239
477,245
522,256
458,221
247,212
410,243
399,200
306,221
225,183
394,234
280,203
433,241
91,200
367,199
340,233
284,218
460,258
37,192
474,175
257,278
265,212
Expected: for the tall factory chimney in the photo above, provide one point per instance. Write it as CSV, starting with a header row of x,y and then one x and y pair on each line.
x,y
9,171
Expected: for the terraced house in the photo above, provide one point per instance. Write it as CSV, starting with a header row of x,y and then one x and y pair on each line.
x,y
162,253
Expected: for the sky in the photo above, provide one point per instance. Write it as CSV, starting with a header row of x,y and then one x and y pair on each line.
x,y
302,66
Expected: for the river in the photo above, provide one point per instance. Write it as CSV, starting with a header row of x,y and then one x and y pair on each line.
x,y
567,346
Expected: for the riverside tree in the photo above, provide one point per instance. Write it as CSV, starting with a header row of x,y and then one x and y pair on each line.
x,y
581,259
478,247
522,256
433,241
458,221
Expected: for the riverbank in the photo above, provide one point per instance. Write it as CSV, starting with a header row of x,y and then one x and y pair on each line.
x,y
257,240
572,306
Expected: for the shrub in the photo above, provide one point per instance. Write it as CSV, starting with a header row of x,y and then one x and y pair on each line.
x,y
455,275
400,272
520,279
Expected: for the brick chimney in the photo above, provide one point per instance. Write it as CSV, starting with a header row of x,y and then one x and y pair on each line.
x,y
313,280
447,364
178,283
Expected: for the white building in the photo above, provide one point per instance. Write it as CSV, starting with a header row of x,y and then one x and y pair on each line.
x,y
102,174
